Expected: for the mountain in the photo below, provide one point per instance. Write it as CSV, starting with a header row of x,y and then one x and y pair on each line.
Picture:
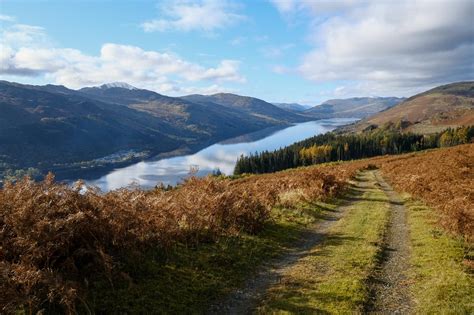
x,y
207,119
292,106
41,127
50,127
445,106
357,107
253,106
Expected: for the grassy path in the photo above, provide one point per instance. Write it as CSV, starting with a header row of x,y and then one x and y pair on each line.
x,y
246,299
332,277
389,284
367,251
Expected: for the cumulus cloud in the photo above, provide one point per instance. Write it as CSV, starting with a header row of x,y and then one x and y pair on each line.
x,y
163,72
389,45
187,15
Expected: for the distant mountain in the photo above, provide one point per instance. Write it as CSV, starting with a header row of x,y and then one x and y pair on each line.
x,y
253,106
207,119
48,127
445,106
357,107
292,106
122,85
43,128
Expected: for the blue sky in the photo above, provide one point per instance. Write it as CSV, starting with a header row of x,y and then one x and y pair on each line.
x,y
281,51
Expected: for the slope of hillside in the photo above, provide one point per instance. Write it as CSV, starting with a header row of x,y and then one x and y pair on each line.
x,y
357,107
43,127
206,121
292,106
445,106
254,106
50,127
320,230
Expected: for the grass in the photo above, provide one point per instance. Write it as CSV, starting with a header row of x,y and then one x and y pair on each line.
x,y
442,283
332,277
188,279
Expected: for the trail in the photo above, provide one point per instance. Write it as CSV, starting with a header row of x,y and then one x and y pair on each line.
x,y
389,290
246,299
389,286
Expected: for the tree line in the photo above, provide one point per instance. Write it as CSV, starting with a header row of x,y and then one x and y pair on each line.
x,y
341,147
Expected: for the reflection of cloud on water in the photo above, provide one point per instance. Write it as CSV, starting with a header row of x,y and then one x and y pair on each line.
x,y
222,156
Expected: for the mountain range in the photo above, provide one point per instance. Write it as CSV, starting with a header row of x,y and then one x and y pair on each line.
x,y
445,106
94,129
293,106
357,107
50,127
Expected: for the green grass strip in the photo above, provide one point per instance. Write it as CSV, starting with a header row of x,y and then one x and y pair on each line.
x,y
441,284
332,277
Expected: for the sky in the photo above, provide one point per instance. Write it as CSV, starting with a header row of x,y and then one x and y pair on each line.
x,y
303,51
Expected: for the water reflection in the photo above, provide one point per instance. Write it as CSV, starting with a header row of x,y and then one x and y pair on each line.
x,y
220,156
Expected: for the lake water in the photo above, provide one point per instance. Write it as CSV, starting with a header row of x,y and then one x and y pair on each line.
x,y
222,156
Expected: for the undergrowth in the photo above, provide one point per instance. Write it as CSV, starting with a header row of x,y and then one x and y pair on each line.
x,y
55,238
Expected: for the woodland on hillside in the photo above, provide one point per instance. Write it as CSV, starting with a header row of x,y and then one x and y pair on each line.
x,y
342,147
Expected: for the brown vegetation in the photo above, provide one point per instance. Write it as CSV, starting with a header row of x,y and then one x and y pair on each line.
x,y
54,237
444,179
445,106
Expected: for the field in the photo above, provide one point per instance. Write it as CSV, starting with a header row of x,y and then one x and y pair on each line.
x,y
60,244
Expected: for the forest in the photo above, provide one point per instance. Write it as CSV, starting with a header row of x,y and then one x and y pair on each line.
x,y
342,147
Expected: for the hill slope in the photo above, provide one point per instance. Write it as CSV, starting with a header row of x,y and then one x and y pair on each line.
x,y
292,106
47,126
253,106
206,121
357,107
445,106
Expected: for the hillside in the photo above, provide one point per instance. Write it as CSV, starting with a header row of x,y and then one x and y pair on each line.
x,y
206,121
253,106
43,127
53,127
292,106
357,107
445,106
294,241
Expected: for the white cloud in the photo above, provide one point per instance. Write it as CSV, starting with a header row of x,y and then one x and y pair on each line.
x,y
160,71
6,18
388,46
19,35
204,15
212,89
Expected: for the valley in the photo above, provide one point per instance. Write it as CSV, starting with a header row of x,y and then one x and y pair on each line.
x,y
318,216
236,157
52,128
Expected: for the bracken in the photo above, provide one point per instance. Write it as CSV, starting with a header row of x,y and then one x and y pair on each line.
x,y
53,237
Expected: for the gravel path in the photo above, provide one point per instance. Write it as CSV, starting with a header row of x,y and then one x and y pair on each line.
x,y
246,299
389,287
